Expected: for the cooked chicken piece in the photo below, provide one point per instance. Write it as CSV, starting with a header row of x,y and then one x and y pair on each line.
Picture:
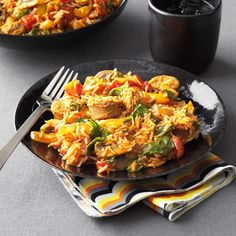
x,y
105,107
27,3
139,95
106,112
137,150
58,108
134,95
64,105
159,83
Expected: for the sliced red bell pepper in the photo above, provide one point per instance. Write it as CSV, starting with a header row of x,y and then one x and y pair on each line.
x,y
172,103
147,86
63,152
28,21
144,85
69,12
178,145
74,88
65,1
101,164
108,88
140,79
132,83
51,15
115,84
101,88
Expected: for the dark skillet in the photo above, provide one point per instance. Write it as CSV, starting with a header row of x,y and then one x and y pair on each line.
x,y
60,39
208,104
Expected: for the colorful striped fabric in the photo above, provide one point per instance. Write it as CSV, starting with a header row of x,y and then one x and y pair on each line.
x,y
170,195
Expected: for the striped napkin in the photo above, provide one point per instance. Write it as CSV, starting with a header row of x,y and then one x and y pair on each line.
x,y
170,195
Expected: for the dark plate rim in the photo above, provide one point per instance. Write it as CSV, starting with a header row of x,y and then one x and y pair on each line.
x,y
156,64
124,2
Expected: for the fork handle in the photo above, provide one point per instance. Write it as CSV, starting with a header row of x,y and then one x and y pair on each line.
x,y
7,150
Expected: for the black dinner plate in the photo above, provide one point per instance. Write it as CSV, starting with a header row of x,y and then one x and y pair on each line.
x,y
209,109
60,39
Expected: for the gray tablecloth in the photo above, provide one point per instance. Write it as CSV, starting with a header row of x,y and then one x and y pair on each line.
x,y
33,202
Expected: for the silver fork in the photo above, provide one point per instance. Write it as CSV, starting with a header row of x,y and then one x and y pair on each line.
x,y
53,92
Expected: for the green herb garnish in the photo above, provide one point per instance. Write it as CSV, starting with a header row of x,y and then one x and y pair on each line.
x,y
141,110
110,4
162,146
97,134
97,130
46,32
33,32
23,13
117,91
163,129
74,106
171,95
82,120
90,147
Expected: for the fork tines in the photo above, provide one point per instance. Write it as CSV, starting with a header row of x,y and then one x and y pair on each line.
x,y
55,89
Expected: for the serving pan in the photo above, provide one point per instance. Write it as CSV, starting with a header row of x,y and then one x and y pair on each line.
x,y
209,109
59,39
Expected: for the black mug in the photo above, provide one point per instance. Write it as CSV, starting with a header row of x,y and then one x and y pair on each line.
x,y
186,41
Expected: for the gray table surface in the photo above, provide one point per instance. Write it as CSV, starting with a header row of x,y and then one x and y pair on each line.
x,y
33,202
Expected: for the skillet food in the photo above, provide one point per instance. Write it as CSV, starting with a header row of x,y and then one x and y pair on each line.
x,y
44,17
120,122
